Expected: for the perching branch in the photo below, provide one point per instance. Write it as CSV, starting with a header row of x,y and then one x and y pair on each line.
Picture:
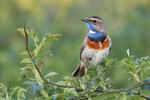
x,y
38,70
99,93
139,93
96,93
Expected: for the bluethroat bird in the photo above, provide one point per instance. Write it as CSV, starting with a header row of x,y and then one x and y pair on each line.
x,y
95,47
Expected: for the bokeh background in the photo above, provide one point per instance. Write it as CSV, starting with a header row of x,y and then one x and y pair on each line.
x,y
127,21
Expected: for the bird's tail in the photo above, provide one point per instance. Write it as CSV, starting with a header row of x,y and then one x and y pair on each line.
x,y
79,72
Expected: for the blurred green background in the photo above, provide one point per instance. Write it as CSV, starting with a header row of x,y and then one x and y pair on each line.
x,y
127,22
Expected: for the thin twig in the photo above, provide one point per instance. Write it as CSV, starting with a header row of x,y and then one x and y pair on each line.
x,y
128,88
99,93
139,93
38,70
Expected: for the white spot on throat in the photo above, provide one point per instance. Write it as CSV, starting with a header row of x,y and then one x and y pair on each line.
x,y
91,31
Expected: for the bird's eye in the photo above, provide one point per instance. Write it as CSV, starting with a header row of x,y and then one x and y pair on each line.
x,y
94,21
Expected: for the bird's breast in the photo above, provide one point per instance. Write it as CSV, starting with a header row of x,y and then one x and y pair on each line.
x,y
95,53
98,45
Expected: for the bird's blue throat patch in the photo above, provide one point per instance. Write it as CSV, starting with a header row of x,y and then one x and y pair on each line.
x,y
90,26
97,36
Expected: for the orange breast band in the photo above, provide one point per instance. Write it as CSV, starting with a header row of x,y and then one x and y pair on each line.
x,y
99,45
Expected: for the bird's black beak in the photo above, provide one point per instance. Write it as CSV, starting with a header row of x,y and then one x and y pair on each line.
x,y
85,20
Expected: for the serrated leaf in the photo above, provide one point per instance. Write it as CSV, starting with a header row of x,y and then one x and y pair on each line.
x,y
4,89
51,74
82,85
37,77
24,53
67,78
26,60
124,96
44,93
21,30
40,47
26,69
128,53
13,91
35,38
21,93
71,91
53,36
89,98
61,82
42,43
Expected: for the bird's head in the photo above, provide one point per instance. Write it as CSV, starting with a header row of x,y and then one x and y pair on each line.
x,y
95,23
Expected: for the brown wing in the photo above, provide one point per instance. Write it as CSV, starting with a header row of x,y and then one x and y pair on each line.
x,y
82,46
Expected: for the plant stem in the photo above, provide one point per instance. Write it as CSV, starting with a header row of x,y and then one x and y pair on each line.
x,y
38,70
99,93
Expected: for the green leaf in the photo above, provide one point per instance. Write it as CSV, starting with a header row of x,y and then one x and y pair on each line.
x,y
40,47
124,97
89,98
54,97
71,91
51,74
52,36
4,89
13,91
35,38
128,53
61,82
26,69
24,53
38,77
26,60
21,93
44,93
21,30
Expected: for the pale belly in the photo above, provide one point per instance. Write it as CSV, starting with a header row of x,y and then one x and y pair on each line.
x,y
91,57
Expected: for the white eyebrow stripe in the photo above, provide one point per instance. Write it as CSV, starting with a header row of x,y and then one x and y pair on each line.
x,y
96,19
91,31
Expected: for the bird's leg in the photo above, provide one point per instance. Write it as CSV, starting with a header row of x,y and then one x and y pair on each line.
x,y
98,74
101,71
86,84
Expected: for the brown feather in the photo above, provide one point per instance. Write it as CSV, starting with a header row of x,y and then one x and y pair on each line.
x,y
82,47
79,72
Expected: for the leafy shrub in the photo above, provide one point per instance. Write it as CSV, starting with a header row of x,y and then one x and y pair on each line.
x,y
38,86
